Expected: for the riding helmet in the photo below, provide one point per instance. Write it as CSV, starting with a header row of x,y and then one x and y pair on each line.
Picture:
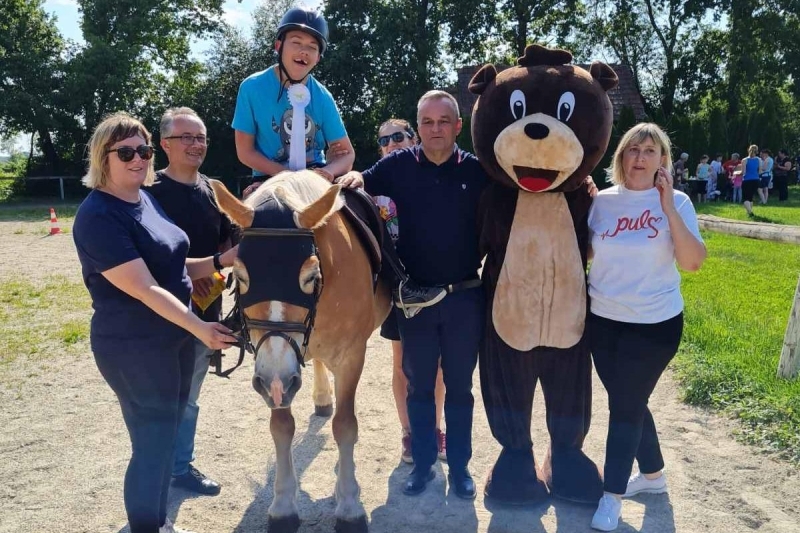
x,y
307,21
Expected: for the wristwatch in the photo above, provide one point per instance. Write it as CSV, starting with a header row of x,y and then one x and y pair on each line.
x,y
217,264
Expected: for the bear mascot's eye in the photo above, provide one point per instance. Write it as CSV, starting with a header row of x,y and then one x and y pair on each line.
x,y
517,102
566,105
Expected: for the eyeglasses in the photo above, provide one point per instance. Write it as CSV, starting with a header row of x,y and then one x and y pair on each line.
x,y
125,153
189,140
398,137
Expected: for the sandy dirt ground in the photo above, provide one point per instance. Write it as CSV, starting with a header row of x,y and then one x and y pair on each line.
x,y
64,450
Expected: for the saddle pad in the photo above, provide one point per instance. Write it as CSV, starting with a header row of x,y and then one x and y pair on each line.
x,y
361,211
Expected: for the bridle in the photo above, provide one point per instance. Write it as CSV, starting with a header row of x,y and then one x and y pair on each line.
x,y
255,240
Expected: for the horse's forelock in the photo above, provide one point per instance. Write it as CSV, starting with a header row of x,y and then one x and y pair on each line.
x,y
295,190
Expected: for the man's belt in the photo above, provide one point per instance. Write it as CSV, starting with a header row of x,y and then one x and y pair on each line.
x,y
463,285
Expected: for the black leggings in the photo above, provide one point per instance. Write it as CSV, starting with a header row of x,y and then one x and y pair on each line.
x,y
630,359
152,388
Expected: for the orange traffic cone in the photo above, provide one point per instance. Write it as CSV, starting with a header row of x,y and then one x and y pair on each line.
x,y
54,222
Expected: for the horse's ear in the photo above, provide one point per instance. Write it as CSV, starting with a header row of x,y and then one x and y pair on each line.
x,y
316,214
230,205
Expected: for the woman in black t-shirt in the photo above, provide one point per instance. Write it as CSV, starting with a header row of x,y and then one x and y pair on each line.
x,y
134,264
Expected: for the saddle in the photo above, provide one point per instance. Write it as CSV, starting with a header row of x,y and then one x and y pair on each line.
x,y
360,210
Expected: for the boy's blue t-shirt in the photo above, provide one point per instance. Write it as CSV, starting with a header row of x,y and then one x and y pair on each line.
x,y
260,113
109,232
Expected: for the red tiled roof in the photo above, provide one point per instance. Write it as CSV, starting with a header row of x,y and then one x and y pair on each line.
x,y
624,94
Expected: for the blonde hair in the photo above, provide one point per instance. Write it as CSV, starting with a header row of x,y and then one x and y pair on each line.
x,y
636,135
113,129
169,116
438,95
752,150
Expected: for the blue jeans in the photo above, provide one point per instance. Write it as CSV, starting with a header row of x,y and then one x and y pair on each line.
x,y
184,442
737,194
151,388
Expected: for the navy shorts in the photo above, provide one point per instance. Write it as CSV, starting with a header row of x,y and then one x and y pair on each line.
x,y
389,329
764,182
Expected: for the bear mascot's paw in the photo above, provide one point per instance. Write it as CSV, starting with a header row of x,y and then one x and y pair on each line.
x,y
538,129
570,475
514,480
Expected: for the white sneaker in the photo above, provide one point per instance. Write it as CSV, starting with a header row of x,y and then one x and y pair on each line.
x,y
169,527
638,484
606,518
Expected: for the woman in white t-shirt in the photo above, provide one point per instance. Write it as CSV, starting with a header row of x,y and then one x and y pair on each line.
x,y
640,228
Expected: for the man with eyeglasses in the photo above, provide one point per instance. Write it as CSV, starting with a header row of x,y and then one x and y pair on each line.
x,y
187,198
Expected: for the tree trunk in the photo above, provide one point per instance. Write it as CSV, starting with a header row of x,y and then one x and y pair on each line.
x,y
789,365
49,150
752,230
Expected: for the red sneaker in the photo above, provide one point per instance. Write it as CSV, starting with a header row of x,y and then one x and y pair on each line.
x,y
441,443
405,454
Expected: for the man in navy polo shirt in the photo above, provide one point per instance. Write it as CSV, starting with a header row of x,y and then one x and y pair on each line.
x,y
436,188
187,198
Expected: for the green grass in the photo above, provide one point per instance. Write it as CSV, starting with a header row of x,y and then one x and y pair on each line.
x,y
44,319
21,215
737,307
778,213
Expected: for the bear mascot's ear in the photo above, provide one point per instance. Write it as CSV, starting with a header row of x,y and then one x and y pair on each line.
x,y
536,54
482,79
604,75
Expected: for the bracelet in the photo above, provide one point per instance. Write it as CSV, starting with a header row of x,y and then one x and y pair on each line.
x,y
217,264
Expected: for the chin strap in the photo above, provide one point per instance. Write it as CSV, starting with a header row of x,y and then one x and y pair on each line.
x,y
285,73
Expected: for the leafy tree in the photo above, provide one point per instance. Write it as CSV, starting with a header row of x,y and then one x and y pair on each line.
x,y
655,37
383,57
133,48
31,70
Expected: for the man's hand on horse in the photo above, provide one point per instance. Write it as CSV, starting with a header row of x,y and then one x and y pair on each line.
x,y
351,180
250,189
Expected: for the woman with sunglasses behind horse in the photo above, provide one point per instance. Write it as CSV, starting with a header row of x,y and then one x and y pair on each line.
x,y
134,264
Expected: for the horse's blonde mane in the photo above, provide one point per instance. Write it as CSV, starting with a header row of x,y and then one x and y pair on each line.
x,y
295,190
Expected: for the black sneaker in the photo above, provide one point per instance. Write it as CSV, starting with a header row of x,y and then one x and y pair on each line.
x,y
195,481
412,295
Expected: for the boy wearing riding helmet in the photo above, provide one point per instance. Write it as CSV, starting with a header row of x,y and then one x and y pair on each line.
x,y
263,115
267,142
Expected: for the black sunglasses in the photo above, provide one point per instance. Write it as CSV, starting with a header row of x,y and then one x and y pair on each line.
x,y
398,137
125,153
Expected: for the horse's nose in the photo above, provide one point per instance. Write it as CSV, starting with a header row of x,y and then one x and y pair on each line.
x,y
536,131
293,384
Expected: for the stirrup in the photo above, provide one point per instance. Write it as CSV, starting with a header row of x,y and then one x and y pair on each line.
x,y
408,312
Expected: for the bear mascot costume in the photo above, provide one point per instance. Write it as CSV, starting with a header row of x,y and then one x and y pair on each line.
x,y
538,129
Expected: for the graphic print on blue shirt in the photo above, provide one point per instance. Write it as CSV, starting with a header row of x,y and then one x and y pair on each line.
x,y
109,232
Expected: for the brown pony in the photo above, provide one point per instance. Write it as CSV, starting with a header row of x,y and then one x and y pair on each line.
x,y
348,311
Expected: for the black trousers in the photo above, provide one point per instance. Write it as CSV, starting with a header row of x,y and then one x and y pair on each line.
x,y
451,331
629,359
781,184
152,389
